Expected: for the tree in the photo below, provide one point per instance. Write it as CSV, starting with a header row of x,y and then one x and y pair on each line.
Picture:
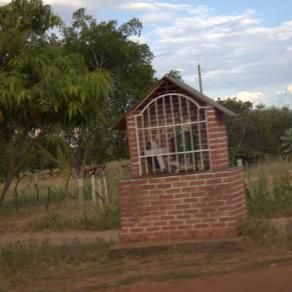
x,y
176,74
239,128
78,147
109,46
105,46
256,132
287,142
41,85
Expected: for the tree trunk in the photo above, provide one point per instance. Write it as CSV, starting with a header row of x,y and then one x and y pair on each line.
x,y
5,188
37,189
16,160
16,193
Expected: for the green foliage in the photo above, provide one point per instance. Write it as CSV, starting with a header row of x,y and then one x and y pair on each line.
x,y
176,74
109,46
42,85
49,86
287,141
256,132
24,23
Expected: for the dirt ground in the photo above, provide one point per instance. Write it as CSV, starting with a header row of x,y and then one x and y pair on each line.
x,y
203,272
272,279
59,238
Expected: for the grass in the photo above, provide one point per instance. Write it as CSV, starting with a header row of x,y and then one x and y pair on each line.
x,y
63,212
60,218
269,187
115,171
103,218
41,256
258,231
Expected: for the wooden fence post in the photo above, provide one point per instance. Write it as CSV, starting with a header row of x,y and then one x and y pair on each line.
x,y
93,190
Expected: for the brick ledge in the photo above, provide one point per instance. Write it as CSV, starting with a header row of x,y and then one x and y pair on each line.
x,y
197,173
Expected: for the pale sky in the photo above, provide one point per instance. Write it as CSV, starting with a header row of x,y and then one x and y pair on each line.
x,y
243,47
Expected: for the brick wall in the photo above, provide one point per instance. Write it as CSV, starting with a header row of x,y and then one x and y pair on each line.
x,y
198,205
132,144
217,139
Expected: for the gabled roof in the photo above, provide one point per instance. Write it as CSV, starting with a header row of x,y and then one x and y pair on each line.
x,y
191,91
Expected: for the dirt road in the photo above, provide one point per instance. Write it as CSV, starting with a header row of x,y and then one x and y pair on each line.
x,y
272,279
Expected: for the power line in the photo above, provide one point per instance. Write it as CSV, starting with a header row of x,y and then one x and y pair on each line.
x,y
260,66
258,72
242,88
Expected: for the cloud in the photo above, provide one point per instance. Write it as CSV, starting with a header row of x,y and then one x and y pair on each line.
x,y
280,92
286,91
237,48
142,6
256,97
136,6
84,3
76,3
289,88
150,18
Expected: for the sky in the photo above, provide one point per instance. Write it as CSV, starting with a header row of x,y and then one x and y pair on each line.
x,y
244,47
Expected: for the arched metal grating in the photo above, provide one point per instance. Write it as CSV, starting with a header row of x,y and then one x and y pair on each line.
x,y
172,135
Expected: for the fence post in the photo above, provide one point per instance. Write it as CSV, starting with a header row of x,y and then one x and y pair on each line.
x,y
93,190
99,192
239,162
105,190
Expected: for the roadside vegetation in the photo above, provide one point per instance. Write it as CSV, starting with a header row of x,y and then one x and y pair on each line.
x,y
32,210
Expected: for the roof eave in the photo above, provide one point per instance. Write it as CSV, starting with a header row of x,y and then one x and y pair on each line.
x,y
121,124
201,96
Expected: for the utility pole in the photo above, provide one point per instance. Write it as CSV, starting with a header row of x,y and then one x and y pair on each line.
x,y
200,79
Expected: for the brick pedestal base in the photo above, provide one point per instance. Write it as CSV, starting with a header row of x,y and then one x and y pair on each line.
x,y
197,205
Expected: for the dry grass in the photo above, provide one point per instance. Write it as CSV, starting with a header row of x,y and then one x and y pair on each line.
x,y
63,212
269,168
269,188
268,184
